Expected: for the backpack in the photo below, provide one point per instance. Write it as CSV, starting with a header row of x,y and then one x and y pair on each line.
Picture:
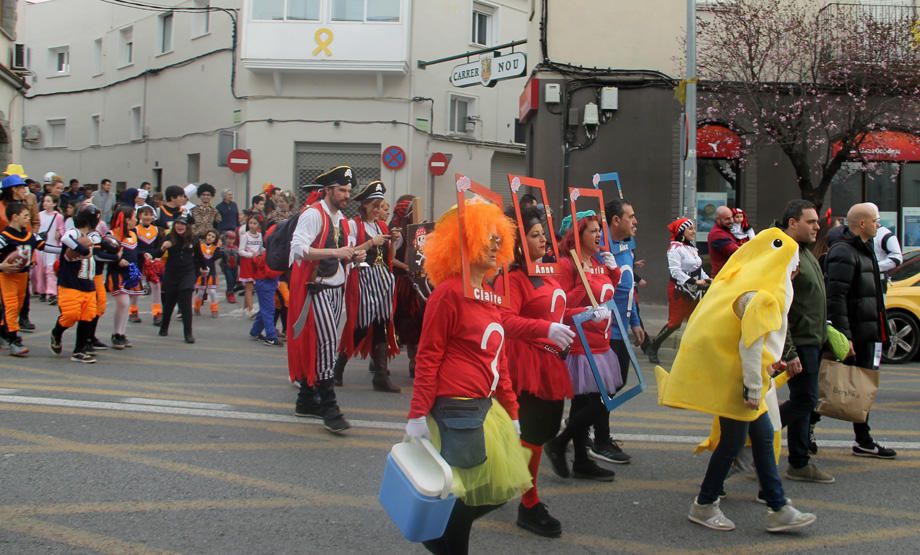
x,y
278,243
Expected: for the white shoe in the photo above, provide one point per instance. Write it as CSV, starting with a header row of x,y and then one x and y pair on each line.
x,y
710,516
788,518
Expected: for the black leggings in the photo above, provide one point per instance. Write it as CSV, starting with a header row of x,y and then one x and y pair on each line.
x,y
456,538
586,410
182,297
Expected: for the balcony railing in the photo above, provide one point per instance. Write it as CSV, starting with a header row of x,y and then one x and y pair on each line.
x,y
870,37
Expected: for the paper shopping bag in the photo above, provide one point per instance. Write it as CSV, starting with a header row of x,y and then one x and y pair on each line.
x,y
846,392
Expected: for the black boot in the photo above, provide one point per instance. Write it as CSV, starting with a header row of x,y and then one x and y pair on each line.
x,y
333,419
412,350
653,347
308,403
381,381
339,369
538,520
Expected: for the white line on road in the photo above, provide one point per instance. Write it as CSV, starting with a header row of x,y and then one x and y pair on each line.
x,y
372,424
7,391
170,403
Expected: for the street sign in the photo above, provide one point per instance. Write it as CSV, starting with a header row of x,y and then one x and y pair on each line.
x,y
393,157
239,161
437,164
489,69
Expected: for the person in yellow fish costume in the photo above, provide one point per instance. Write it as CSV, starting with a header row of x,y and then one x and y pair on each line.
x,y
723,365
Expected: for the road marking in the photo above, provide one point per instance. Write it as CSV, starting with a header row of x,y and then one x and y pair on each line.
x,y
7,391
368,424
171,403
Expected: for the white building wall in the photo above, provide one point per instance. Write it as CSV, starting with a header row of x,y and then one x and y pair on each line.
x,y
183,107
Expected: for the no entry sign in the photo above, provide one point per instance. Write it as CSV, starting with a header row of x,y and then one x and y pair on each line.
x,y
239,161
437,164
393,157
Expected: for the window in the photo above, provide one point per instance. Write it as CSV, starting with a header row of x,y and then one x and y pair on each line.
x,y
166,32
383,10
462,116
201,22
60,60
137,129
272,10
194,168
302,10
347,10
8,18
97,56
57,135
96,130
483,18
127,46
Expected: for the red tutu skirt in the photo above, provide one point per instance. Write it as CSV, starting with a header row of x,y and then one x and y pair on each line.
x,y
538,372
247,270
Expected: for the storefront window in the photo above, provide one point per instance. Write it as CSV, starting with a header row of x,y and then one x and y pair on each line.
x,y
846,189
910,200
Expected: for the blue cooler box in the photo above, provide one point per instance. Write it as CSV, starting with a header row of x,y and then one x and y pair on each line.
x,y
415,491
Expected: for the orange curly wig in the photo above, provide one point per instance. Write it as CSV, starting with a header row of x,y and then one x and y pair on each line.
x,y
482,219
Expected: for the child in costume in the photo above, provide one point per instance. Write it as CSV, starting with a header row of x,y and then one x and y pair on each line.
x,y
105,251
183,264
587,406
538,373
460,370
724,366
407,316
250,246
230,263
741,229
687,275
206,286
149,239
369,293
16,242
124,277
76,288
266,286
51,228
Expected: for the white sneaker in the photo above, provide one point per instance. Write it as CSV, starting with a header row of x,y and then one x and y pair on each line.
x,y
710,516
788,518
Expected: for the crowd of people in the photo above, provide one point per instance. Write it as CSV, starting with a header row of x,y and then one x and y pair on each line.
x,y
491,370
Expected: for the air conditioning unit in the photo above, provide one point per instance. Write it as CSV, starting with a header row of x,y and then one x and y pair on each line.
x,y
31,133
19,61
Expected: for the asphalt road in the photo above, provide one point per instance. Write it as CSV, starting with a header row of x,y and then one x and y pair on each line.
x,y
171,448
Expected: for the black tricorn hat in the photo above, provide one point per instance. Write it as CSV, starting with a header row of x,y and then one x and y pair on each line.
x,y
339,175
372,191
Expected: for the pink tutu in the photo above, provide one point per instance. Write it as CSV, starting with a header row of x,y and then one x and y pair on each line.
x,y
583,378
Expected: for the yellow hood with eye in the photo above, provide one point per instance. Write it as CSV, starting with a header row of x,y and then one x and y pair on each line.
x,y
707,373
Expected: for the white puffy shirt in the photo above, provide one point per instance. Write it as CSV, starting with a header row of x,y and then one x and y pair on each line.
x,y
684,260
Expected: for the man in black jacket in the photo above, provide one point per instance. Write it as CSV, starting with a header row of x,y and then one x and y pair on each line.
x,y
855,305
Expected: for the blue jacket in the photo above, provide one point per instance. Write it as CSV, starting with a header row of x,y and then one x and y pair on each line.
x,y
623,253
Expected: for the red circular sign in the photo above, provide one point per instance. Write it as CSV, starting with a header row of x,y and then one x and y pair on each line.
x,y
239,161
393,157
437,164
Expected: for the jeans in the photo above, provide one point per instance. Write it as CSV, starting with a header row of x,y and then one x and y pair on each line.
x,y
734,433
265,291
231,275
803,398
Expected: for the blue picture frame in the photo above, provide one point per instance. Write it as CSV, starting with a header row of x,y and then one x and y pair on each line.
x,y
610,402
614,177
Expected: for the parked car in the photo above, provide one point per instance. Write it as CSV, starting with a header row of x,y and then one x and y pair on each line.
x,y
903,306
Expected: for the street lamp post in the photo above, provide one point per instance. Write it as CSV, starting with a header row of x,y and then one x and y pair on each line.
x,y
688,181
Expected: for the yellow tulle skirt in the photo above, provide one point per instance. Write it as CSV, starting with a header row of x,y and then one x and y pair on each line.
x,y
505,475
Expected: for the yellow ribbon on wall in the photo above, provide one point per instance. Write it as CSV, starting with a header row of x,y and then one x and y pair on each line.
x,y
323,38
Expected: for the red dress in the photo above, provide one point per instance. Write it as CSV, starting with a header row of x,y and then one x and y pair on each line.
x,y
533,363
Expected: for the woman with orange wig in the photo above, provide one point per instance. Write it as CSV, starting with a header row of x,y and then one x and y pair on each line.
x,y
124,278
460,368
586,407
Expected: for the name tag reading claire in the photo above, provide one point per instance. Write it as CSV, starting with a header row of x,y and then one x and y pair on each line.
x,y
486,296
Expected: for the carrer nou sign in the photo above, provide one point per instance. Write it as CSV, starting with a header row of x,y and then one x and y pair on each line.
x,y
488,69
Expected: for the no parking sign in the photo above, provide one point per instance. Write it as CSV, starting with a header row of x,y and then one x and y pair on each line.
x,y
393,157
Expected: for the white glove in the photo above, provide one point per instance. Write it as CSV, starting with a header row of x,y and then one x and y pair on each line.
x,y
609,261
561,335
601,314
417,428
517,426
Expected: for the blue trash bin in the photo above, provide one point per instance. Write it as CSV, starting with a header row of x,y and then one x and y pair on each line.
x,y
415,491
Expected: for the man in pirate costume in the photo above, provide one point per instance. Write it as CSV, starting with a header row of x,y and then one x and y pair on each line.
x,y
319,257
369,293
410,307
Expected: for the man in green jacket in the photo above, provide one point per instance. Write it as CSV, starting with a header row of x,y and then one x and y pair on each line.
x,y
804,342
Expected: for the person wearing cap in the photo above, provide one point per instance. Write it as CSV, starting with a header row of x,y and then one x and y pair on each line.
x,y
184,264
14,189
369,293
268,192
141,199
190,189
104,199
205,216
687,278
320,254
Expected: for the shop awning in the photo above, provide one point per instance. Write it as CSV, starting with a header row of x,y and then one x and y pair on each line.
x,y
886,146
717,141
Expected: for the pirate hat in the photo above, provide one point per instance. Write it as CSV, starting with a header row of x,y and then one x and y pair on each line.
x,y
339,175
374,190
